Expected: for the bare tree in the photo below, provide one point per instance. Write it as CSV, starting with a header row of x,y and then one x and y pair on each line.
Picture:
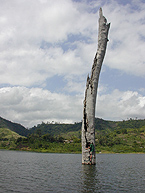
x,y
88,123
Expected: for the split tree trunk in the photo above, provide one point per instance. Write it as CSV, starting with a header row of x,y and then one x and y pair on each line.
x,y
88,123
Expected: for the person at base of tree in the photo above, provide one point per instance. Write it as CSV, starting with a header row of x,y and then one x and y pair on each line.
x,y
91,148
91,151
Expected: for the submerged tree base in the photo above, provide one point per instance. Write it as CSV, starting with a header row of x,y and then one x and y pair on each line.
x,y
88,163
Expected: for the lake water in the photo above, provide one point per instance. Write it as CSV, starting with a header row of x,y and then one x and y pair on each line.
x,y
45,172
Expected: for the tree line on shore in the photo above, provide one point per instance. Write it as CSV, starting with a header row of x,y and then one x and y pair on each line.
x,y
114,137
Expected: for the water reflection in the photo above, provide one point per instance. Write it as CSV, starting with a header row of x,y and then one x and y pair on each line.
x,y
89,178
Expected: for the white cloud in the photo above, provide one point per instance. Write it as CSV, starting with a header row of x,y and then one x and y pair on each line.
x,y
24,28
127,37
121,105
31,106
40,39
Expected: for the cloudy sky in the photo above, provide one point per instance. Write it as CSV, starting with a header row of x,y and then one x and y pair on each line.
x,y
47,49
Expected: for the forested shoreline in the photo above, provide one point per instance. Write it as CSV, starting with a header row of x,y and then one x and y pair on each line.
x,y
111,137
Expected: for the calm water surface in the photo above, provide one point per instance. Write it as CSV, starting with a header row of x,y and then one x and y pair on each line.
x,y
45,172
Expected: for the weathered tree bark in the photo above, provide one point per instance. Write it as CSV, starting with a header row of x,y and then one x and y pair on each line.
x,y
88,123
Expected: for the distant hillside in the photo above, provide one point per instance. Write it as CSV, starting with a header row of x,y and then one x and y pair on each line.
x,y
111,136
100,126
13,127
57,129
7,134
8,138
69,130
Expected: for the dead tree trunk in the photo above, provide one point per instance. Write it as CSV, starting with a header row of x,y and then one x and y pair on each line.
x,y
88,123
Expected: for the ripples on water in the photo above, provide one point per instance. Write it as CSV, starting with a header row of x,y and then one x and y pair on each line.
x,y
44,172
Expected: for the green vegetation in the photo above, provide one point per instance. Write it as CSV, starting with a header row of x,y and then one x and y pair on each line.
x,y
129,140
47,143
13,127
111,137
56,128
8,138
